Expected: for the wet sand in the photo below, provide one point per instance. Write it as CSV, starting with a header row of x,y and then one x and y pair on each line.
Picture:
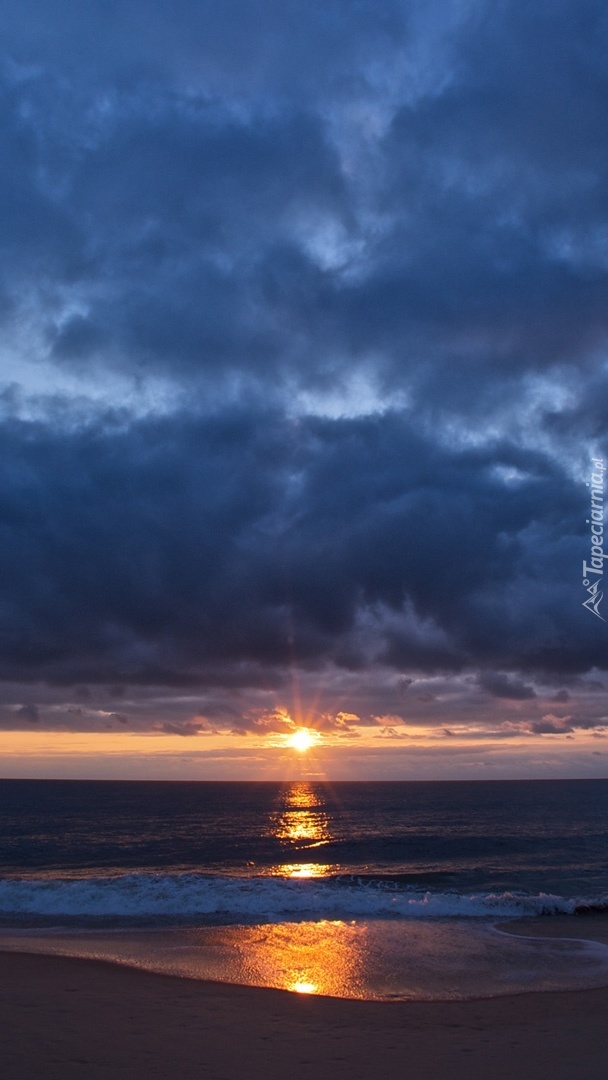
x,y
590,927
71,1019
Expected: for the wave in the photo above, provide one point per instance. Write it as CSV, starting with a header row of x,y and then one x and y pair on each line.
x,y
198,897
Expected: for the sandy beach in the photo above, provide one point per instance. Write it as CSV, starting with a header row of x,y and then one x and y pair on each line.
x,y
71,1019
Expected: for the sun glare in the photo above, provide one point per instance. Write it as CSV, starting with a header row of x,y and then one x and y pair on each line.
x,y
302,740
302,986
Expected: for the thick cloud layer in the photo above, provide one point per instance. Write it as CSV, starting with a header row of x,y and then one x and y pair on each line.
x,y
157,551
304,325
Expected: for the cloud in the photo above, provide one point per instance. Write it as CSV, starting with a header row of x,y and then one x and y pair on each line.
x,y
502,686
551,724
303,325
29,713
417,211
180,545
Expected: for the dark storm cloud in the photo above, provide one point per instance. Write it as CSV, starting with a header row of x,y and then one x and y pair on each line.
x,y
147,554
555,725
503,687
29,713
265,216
561,696
245,47
287,228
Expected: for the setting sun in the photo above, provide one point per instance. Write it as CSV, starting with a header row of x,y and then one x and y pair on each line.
x,y
302,740
304,987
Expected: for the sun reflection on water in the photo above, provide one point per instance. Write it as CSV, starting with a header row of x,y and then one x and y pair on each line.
x,y
302,820
303,870
307,958
325,957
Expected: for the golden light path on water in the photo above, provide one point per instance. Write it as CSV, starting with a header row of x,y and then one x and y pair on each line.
x,y
320,957
302,824
302,817
307,958
303,870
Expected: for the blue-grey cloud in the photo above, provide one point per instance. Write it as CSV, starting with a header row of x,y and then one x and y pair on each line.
x,y
145,554
304,321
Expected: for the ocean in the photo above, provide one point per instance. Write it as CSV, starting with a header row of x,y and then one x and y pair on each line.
x,y
377,890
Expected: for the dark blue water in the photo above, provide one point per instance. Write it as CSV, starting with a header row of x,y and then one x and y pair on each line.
x,y
238,852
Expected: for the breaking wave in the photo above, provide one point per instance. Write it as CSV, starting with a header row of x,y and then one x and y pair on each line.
x,y
196,896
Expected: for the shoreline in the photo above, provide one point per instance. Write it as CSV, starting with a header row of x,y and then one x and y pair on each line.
x,y
587,926
66,1018
288,956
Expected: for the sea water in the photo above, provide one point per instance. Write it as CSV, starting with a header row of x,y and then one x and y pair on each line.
x,y
375,890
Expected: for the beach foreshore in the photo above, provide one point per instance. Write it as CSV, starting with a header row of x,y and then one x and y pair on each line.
x,y
74,1019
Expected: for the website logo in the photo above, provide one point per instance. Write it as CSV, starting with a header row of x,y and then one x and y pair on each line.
x,y
593,571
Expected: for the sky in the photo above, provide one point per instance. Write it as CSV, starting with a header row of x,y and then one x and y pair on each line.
x,y
303,388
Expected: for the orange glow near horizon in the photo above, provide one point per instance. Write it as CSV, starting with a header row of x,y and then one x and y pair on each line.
x,y
156,755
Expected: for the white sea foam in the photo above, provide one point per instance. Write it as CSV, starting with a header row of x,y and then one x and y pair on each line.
x,y
192,896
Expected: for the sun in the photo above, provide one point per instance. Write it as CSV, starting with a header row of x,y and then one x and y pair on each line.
x,y
302,740
302,986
